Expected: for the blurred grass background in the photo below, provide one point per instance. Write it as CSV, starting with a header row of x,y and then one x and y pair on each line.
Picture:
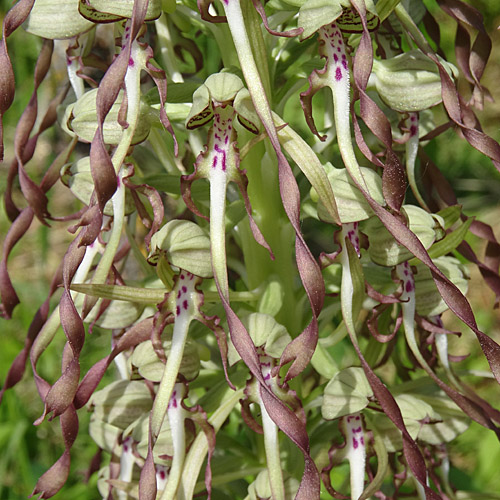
x,y
28,451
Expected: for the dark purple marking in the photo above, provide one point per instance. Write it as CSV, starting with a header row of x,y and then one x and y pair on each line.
x,y
413,130
223,161
179,293
362,440
182,276
339,49
335,57
226,139
130,63
184,289
162,474
338,74
185,305
358,429
354,442
177,311
214,164
409,286
218,148
344,63
357,417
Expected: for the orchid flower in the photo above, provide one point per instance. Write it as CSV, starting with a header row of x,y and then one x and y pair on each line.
x,y
222,99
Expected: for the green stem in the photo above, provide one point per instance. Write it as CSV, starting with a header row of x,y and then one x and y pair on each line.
x,y
272,448
199,448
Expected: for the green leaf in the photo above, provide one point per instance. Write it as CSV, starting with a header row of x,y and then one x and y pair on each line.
x,y
311,167
385,7
119,292
450,241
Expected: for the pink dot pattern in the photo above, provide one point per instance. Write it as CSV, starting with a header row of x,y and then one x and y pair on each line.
x,y
334,49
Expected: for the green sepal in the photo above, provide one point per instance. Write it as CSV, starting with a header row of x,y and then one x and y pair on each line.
x,y
82,120
347,392
271,300
78,178
56,19
385,251
314,14
265,332
106,11
429,301
185,246
112,403
409,82
151,368
351,204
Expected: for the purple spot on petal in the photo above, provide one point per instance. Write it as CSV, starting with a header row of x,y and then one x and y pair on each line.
x,y
182,276
354,442
413,130
184,289
130,63
226,139
177,311
179,293
362,441
358,429
358,417
344,63
335,57
162,474
409,286
338,49
185,304
338,74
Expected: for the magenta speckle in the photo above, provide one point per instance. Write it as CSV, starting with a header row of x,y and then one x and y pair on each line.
x,y
214,163
355,443
358,429
344,63
335,57
358,417
338,74
339,49
177,310
179,293
162,474
413,130
130,63
409,286
362,441
185,305
184,289
182,276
